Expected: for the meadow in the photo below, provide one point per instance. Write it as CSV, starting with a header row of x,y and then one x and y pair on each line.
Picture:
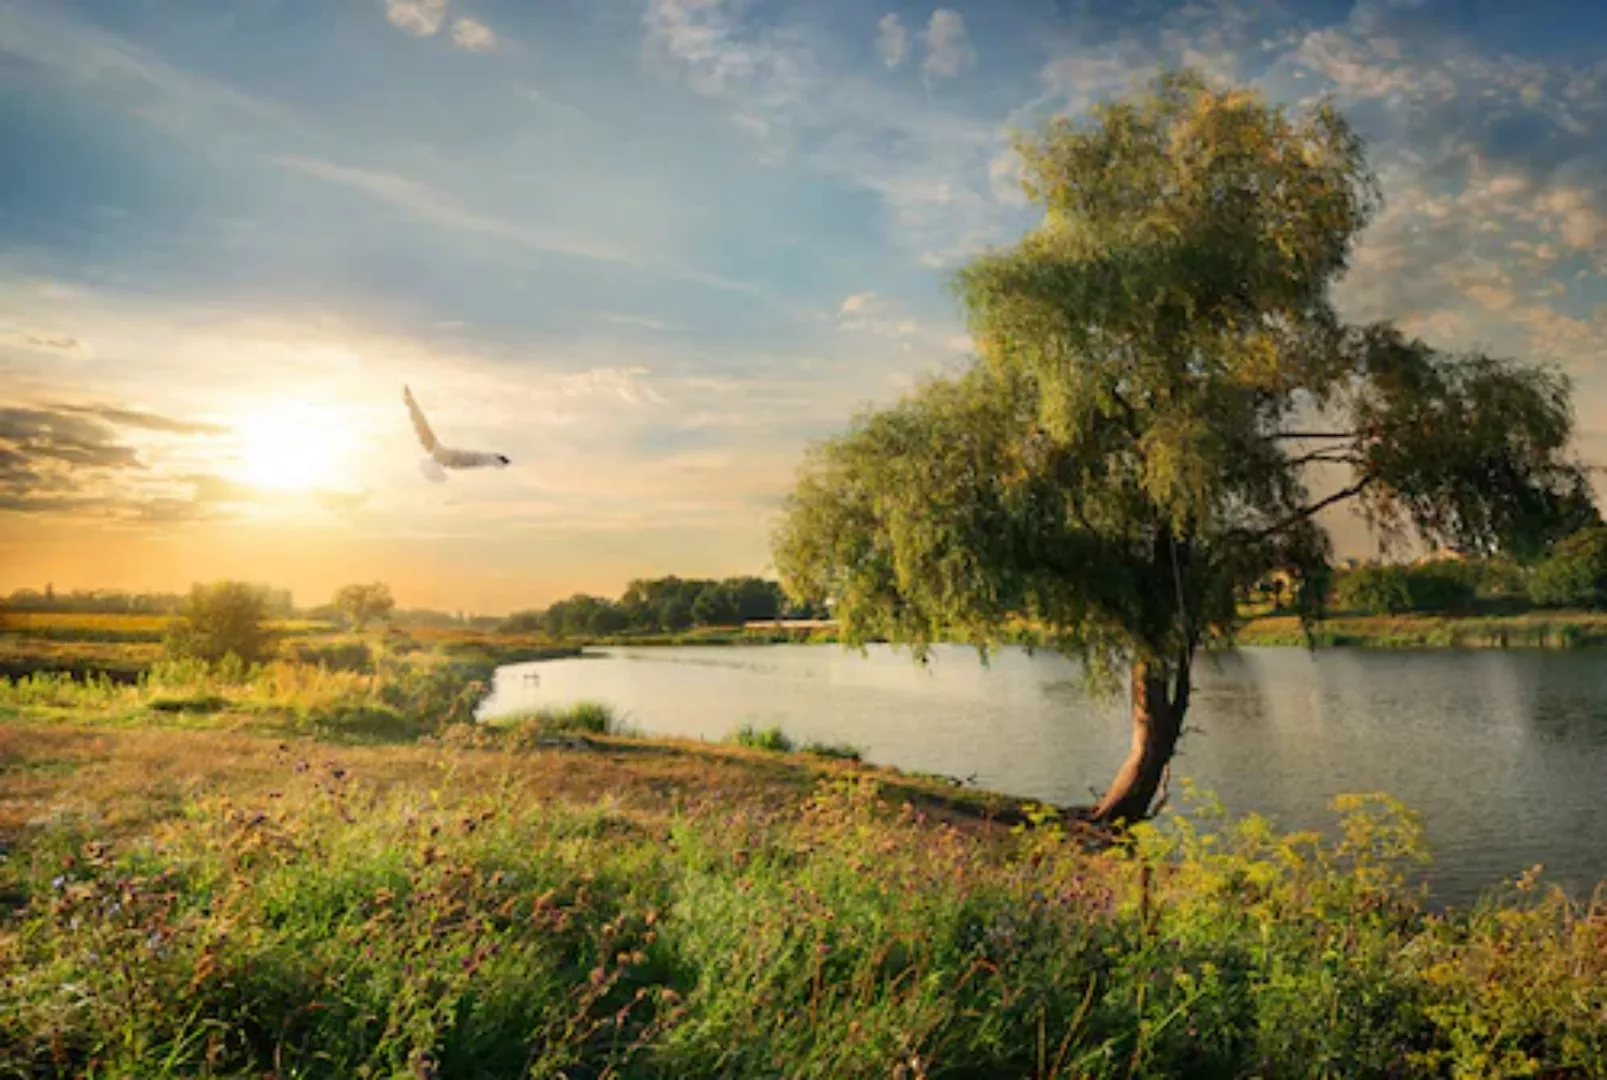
x,y
552,896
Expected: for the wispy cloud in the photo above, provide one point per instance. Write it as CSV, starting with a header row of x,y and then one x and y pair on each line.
x,y
892,39
137,79
421,18
948,46
929,166
473,35
431,204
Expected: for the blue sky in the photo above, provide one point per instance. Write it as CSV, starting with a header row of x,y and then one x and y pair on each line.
x,y
647,248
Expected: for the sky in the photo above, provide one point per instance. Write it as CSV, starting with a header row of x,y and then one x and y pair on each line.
x,y
648,249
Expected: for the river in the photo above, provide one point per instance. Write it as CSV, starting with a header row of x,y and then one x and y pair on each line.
x,y
1503,754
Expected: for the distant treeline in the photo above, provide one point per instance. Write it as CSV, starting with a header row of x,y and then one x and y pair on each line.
x,y
663,605
278,602
1573,575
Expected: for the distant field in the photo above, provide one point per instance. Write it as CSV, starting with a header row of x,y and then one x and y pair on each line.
x,y
101,626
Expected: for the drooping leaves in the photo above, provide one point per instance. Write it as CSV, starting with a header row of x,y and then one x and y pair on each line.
x,y
1118,466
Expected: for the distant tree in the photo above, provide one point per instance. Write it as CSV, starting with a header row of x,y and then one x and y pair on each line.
x,y
1160,370
1575,573
757,598
1443,585
219,620
363,604
717,605
524,622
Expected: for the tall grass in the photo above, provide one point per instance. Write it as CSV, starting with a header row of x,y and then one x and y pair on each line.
x,y
393,699
497,933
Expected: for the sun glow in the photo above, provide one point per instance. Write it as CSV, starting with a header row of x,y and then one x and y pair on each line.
x,y
295,446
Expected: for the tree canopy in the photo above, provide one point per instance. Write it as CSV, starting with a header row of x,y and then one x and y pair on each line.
x,y
1163,402
363,603
227,618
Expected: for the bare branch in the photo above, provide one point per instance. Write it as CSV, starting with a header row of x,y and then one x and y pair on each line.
x,y
1330,456
1321,504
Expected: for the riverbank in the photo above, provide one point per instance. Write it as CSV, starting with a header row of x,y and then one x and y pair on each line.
x,y
1530,630
665,908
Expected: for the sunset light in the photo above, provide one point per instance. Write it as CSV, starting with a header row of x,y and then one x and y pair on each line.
x,y
296,447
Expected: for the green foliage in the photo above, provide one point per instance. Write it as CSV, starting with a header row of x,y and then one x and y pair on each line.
x,y
1130,453
1575,573
335,656
398,700
218,621
362,604
499,933
1375,590
1442,585
590,717
839,751
668,605
772,739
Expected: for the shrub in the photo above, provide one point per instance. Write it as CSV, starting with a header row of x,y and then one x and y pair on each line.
x,y
337,656
228,618
1441,585
1375,590
771,738
1575,574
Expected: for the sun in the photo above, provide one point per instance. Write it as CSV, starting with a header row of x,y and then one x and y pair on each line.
x,y
295,446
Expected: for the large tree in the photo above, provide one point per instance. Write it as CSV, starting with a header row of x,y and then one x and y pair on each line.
x,y
1164,402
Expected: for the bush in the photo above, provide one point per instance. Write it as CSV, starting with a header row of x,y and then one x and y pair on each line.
x,y
225,619
771,738
592,717
338,656
1575,574
1375,590
1442,585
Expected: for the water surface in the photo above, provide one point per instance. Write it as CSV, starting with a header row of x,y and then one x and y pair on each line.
x,y
1504,754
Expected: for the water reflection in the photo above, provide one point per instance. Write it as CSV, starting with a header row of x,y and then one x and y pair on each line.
x,y
1502,754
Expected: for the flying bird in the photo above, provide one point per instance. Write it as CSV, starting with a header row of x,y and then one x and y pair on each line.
x,y
444,457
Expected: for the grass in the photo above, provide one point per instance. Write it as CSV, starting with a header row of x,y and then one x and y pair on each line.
x,y
585,717
491,900
396,699
696,913
772,739
1539,629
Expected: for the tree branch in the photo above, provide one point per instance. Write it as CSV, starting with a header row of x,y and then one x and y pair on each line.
x,y
1315,434
1321,504
1332,456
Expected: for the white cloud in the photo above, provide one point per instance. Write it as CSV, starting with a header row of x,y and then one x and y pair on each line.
x,y
1574,217
473,35
421,18
948,46
858,302
892,39
930,167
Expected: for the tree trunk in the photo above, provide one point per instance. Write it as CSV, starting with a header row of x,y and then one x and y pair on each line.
x,y
1157,722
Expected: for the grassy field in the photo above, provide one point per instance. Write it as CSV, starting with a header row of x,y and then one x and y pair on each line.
x,y
549,896
486,905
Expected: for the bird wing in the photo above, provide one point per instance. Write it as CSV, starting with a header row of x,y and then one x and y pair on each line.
x,y
432,470
465,459
420,425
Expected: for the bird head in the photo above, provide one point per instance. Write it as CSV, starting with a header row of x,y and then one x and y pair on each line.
x,y
502,459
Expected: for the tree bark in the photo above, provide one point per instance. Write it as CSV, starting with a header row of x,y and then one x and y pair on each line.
x,y
1157,723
